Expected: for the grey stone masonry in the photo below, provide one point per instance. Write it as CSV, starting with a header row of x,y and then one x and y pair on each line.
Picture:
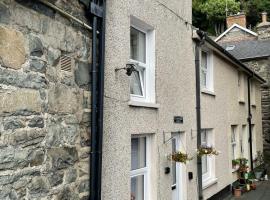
x,y
44,107
262,67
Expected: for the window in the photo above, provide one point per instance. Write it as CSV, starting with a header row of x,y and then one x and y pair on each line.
x,y
241,87
139,168
174,163
206,71
245,143
208,162
142,81
254,146
252,93
234,142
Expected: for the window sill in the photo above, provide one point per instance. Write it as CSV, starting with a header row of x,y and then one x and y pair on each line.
x,y
143,104
209,183
208,92
234,170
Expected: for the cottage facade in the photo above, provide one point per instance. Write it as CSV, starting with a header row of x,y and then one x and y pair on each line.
x,y
150,104
225,118
141,128
255,53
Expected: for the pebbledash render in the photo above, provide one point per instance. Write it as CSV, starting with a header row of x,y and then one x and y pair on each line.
x,y
152,112
44,102
149,103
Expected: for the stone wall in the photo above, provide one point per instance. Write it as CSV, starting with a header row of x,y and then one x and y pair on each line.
x,y
44,104
262,67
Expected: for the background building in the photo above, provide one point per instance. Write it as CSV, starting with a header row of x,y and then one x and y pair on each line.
x,y
254,51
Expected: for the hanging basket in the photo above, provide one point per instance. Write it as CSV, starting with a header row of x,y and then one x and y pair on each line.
x,y
206,150
181,157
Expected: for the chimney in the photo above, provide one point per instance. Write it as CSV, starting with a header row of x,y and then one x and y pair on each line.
x,y
263,28
264,17
239,19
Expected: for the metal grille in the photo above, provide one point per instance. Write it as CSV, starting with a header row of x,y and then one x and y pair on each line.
x,y
66,63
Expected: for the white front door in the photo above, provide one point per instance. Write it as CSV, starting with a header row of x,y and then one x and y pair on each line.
x,y
177,171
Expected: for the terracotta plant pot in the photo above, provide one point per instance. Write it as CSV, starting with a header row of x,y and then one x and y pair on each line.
x,y
237,192
253,186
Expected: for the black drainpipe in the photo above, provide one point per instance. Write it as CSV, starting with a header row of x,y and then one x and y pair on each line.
x,y
198,110
249,123
96,12
101,93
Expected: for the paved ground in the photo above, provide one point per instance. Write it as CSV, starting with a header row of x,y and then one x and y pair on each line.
x,y
261,193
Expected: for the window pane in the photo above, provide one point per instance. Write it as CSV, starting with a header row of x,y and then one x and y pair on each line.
x,y
138,153
204,69
233,151
241,146
204,60
204,164
233,134
137,45
135,84
137,188
203,78
204,137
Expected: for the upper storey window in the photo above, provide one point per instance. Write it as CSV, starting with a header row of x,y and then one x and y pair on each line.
x,y
142,53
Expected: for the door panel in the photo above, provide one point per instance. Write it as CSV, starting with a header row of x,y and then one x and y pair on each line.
x,y
176,170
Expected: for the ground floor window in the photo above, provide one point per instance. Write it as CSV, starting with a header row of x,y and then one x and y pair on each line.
x,y
139,167
254,146
234,145
208,162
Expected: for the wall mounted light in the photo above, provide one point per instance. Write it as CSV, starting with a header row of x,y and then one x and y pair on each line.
x,y
130,68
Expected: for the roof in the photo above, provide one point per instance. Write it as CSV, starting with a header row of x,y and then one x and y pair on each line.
x,y
248,49
228,56
236,26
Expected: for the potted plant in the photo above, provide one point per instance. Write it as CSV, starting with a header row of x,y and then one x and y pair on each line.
x,y
207,150
252,185
235,163
243,167
180,156
260,169
237,190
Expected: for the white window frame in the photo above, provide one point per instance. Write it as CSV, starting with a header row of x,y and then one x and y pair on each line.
x,y
209,177
148,86
234,144
145,171
209,87
254,140
245,143
241,87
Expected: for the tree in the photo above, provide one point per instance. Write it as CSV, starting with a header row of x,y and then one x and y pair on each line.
x,y
215,11
199,19
209,15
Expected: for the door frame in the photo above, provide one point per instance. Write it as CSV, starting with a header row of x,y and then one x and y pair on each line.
x,y
181,175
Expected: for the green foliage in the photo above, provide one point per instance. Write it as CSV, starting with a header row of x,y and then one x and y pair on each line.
x,y
208,13
235,162
216,9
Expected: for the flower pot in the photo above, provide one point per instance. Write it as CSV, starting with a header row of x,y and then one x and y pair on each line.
x,y
258,175
253,186
237,192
